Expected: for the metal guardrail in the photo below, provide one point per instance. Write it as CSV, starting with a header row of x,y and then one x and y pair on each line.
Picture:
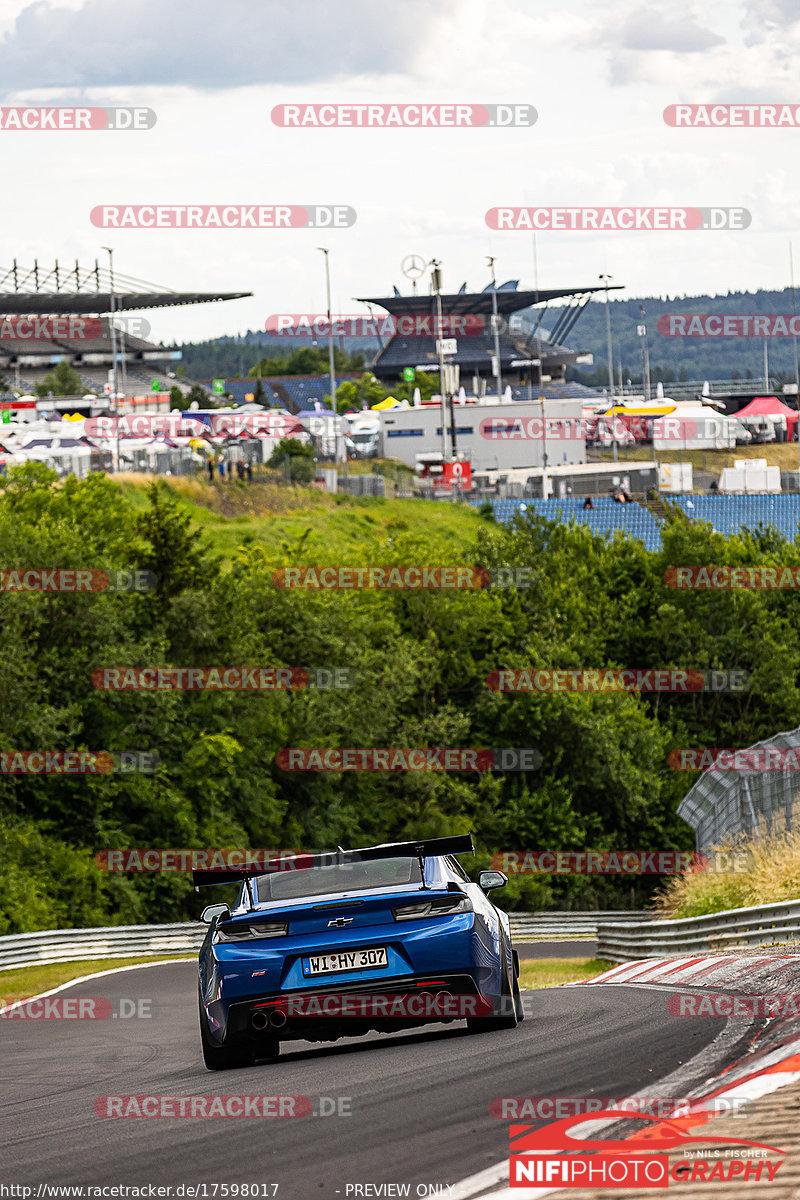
x,y
736,927
124,941
127,941
557,926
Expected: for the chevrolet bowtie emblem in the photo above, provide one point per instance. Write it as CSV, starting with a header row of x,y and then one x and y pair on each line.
x,y
340,922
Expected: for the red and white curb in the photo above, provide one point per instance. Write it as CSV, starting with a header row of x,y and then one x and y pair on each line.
x,y
765,1071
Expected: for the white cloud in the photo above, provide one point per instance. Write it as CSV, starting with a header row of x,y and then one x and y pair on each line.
x,y
646,29
206,45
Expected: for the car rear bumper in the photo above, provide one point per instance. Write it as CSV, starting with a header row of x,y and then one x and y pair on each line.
x,y
352,1009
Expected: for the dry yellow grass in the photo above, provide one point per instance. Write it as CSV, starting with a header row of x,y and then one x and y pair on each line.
x,y
766,871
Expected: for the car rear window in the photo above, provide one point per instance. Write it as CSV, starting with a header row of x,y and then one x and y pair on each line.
x,y
346,877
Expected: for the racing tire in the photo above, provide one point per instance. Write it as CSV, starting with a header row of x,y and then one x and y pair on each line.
x,y
517,994
223,1058
507,1009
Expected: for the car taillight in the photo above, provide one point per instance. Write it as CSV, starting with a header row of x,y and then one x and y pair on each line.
x,y
442,906
250,933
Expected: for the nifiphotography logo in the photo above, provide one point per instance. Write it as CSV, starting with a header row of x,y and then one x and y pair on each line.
x,y
550,1155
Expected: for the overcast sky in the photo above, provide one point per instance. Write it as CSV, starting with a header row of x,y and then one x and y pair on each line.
x,y
599,75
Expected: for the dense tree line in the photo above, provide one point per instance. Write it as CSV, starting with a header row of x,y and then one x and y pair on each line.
x,y
671,358
420,660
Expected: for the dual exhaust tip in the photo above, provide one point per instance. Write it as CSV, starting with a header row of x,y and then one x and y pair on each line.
x,y
262,1020
276,1019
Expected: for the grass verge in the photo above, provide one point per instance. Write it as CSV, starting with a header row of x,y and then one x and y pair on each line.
x,y
329,528
549,972
21,982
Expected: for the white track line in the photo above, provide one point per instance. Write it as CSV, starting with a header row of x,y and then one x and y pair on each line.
x,y
163,962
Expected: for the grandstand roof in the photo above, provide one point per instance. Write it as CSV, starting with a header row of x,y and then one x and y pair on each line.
x,y
40,291
478,302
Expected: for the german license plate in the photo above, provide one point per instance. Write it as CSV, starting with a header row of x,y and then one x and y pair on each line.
x,y
345,960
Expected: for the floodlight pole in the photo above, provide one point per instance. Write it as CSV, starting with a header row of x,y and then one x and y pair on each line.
x,y
436,281
331,371
498,374
796,370
110,253
605,279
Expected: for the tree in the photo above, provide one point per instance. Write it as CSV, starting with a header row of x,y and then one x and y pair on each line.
x,y
61,381
296,457
198,393
309,360
355,393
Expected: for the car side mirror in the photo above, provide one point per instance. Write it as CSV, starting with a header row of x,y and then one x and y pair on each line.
x,y
214,910
489,880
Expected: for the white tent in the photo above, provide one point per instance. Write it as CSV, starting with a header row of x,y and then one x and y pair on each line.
x,y
694,427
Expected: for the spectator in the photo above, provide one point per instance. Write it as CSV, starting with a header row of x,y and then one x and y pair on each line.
x,y
249,471
588,502
222,469
240,470
210,469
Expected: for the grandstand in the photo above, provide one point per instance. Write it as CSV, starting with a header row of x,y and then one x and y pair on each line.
x,y
93,292
295,393
473,357
729,514
606,517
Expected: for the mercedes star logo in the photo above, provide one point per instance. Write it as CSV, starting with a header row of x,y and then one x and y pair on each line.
x,y
412,266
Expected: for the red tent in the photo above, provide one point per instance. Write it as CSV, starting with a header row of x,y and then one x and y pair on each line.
x,y
770,406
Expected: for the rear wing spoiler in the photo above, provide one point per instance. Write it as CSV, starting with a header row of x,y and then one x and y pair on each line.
x,y
428,848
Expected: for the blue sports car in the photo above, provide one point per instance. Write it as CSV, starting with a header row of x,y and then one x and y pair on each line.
x,y
383,938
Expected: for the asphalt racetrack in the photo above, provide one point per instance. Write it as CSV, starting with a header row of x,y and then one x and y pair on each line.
x,y
418,1103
